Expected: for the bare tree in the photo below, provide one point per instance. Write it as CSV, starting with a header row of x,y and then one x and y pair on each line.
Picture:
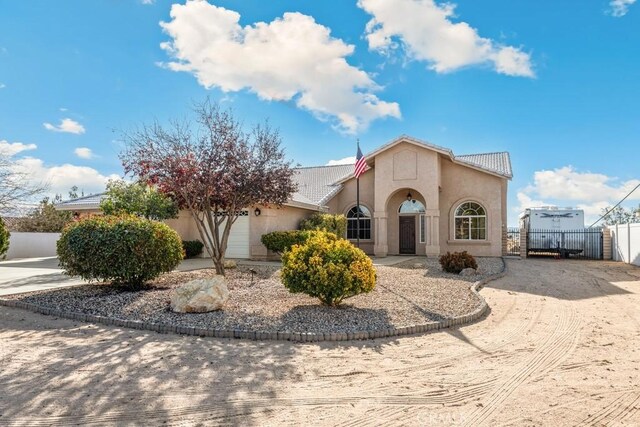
x,y
16,189
214,171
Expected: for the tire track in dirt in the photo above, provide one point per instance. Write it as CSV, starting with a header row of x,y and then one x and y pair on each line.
x,y
247,406
555,349
619,409
572,404
498,342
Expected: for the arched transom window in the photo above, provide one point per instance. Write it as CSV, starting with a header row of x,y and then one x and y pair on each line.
x,y
365,223
470,222
411,206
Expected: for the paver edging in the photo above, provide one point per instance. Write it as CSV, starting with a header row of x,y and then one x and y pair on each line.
x,y
274,336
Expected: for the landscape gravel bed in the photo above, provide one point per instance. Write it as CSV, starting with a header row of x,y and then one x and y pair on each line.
x,y
411,293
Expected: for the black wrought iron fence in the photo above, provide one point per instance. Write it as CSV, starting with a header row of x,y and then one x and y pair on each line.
x,y
583,243
513,242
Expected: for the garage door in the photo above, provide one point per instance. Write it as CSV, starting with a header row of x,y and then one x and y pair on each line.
x,y
238,244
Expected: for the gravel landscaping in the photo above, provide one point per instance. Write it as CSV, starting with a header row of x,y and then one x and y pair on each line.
x,y
414,292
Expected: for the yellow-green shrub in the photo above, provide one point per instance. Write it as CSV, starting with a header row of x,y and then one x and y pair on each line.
x,y
125,250
336,224
328,269
281,241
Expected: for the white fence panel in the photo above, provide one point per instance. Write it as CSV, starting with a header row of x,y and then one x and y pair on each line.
x,y
32,245
625,243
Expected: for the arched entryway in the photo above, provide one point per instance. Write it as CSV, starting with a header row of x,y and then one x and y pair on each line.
x,y
405,235
409,216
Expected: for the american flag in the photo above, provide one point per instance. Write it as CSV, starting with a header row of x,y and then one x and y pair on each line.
x,y
361,164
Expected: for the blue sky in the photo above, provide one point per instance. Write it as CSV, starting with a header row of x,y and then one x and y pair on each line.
x,y
553,83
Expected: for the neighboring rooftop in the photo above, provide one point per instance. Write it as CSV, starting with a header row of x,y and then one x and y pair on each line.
x,y
86,202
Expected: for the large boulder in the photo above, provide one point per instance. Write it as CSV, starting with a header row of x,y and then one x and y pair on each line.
x,y
467,272
200,296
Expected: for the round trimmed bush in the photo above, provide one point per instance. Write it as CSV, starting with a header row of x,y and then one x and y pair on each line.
x,y
457,261
192,248
124,250
4,239
328,269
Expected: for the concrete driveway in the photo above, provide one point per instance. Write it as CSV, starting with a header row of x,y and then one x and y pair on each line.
x,y
32,274
561,346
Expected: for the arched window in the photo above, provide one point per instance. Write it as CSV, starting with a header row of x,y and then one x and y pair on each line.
x,y
365,223
411,206
470,222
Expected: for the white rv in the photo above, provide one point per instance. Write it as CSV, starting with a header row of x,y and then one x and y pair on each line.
x,y
552,218
553,230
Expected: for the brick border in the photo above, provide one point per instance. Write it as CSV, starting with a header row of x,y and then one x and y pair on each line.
x,y
273,336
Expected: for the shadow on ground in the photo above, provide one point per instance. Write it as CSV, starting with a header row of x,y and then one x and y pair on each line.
x,y
85,374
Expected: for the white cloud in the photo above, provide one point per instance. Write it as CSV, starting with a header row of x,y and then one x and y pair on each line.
x,y
84,153
2,85
346,161
426,32
566,186
60,178
292,58
12,148
147,1
67,126
619,8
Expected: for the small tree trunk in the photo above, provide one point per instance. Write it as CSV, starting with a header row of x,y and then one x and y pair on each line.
x,y
219,265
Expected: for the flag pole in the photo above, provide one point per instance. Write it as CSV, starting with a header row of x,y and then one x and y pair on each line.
x,y
358,201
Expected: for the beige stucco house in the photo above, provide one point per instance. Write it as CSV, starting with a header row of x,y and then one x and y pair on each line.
x,y
415,198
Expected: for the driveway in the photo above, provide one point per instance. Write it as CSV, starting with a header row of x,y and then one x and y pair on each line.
x,y
561,346
32,274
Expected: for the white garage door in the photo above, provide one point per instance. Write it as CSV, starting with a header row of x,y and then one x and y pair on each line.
x,y
238,245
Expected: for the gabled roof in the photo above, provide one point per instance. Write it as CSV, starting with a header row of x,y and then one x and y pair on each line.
x,y
318,184
493,163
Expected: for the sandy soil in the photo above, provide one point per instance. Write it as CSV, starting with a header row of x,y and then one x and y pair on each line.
x,y
560,347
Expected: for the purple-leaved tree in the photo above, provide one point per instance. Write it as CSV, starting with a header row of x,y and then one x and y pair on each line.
x,y
213,168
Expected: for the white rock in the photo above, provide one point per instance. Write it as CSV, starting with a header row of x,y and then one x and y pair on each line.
x,y
200,296
468,272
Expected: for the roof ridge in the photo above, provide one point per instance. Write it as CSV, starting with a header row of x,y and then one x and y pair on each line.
x,y
325,166
480,154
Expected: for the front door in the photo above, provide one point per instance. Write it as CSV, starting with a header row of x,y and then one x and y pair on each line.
x,y
407,235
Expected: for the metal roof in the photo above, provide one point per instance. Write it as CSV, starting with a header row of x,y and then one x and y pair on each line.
x,y
86,202
317,184
499,163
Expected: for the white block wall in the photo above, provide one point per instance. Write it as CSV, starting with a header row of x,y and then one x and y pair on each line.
x,y
32,245
625,243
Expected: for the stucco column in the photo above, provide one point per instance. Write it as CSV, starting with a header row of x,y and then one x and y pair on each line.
x,y
381,247
433,235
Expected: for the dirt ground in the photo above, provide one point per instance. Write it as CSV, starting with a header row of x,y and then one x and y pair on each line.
x,y
561,346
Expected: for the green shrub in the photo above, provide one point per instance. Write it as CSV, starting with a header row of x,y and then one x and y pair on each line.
x,y
336,224
327,268
4,239
281,241
192,248
457,261
125,250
